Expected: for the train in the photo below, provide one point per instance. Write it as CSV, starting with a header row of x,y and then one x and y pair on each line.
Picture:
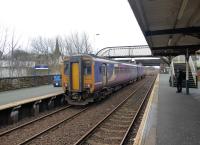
x,y
88,78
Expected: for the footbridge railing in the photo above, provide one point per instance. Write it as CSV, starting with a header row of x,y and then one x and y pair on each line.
x,y
125,51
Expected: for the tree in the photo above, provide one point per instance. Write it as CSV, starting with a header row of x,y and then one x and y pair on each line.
x,y
13,44
42,48
3,41
75,43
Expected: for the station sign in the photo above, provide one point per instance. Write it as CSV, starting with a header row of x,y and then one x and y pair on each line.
x,y
41,67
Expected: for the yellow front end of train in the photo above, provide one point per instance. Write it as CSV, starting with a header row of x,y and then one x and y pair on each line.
x,y
77,78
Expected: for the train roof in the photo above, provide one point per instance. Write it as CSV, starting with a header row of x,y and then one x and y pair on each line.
x,y
96,58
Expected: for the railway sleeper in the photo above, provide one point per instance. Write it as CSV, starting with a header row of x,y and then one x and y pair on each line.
x,y
113,130
108,124
104,140
90,142
122,117
107,135
120,113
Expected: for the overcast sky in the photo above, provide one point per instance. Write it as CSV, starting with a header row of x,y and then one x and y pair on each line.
x,y
112,19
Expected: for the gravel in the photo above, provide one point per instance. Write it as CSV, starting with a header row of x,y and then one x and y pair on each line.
x,y
23,133
112,135
69,133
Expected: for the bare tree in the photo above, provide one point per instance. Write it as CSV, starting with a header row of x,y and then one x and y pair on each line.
x,y
21,62
62,45
3,41
75,43
48,51
87,48
12,44
38,45
43,48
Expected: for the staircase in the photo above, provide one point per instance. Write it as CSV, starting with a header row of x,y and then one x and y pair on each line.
x,y
192,81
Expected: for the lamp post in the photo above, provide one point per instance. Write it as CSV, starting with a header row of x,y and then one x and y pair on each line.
x,y
48,65
95,41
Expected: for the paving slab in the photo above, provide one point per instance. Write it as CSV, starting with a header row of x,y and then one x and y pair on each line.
x,y
178,118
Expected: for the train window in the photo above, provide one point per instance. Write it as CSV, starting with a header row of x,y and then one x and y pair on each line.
x,y
66,69
87,68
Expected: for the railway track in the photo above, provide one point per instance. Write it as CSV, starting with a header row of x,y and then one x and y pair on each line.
x,y
14,138
27,127
52,127
116,126
32,121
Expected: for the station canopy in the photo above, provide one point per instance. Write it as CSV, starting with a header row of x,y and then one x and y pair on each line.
x,y
171,27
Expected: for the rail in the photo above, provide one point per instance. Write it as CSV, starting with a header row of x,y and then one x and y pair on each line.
x,y
92,130
52,127
126,136
32,121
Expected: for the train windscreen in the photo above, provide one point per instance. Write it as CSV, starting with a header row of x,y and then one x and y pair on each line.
x,y
87,68
66,68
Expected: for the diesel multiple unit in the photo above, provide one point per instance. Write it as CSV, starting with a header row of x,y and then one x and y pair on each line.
x,y
88,78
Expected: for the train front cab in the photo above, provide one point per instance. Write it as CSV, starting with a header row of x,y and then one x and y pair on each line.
x,y
78,82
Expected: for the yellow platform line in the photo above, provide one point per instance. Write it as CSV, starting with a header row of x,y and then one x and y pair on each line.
x,y
28,100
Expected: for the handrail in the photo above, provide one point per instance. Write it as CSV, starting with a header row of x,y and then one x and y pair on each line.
x,y
193,69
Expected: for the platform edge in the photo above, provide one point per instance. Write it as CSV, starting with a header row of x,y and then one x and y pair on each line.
x,y
146,134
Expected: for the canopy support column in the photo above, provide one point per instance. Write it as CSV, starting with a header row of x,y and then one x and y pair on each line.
x,y
187,71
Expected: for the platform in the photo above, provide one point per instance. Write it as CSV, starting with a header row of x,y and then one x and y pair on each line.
x,y
171,118
21,96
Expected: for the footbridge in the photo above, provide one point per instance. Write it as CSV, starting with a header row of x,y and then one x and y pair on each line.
x,y
125,51
136,52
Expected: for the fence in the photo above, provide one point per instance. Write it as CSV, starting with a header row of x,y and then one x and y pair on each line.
x,y
24,82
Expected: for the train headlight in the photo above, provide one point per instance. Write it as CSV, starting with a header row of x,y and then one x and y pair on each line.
x,y
65,85
88,85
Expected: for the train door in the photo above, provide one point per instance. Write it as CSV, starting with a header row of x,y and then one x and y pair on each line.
x,y
104,74
75,76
